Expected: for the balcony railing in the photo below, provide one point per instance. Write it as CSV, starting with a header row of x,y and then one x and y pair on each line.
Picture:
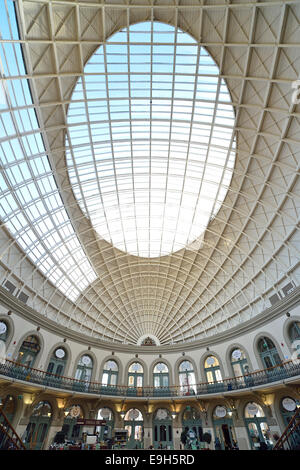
x,y
280,372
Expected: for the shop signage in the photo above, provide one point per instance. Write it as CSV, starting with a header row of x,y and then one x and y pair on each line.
x,y
91,422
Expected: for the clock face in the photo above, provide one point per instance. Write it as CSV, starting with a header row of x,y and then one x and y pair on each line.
x,y
3,328
162,414
60,353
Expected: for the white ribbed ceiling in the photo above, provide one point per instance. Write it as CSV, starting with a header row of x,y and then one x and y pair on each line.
x,y
250,248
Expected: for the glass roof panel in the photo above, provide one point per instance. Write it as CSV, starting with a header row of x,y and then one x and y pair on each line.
x,y
30,204
156,141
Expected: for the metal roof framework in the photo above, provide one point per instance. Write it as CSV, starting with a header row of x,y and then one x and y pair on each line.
x,y
249,250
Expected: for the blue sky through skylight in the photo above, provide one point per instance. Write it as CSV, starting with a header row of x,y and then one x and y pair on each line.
x,y
150,147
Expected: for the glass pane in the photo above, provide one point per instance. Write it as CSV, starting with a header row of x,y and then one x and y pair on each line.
x,y
105,379
139,381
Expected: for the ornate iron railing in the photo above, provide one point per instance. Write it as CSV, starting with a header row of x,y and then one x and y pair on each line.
x,y
9,439
280,372
291,437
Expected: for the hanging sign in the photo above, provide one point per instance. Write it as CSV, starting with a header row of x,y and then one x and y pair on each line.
x,y
252,409
3,328
133,414
105,413
289,404
91,422
60,353
86,360
220,411
236,354
210,360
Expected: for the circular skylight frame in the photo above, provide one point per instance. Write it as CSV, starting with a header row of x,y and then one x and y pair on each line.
x,y
139,193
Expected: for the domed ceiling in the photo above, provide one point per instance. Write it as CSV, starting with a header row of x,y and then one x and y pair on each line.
x,y
150,163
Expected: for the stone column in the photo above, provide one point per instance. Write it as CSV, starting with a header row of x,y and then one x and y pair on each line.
x,y
241,435
54,427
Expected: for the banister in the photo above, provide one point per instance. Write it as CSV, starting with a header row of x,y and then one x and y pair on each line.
x,y
260,377
15,437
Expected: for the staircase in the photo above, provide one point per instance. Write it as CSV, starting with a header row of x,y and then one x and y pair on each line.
x,y
9,439
290,439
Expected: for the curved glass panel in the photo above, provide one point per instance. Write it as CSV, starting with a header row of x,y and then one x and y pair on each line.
x,y
30,203
150,146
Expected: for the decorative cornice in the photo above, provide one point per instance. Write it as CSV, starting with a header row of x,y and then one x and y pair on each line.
x,y
267,315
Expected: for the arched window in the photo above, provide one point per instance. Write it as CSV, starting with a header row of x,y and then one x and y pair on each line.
x,y
84,368
257,427
294,335
239,362
38,426
268,352
161,375
187,379
57,362
212,370
29,351
135,375
110,373
134,425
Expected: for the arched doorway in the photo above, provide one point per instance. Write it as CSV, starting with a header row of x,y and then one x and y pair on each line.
x,y
187,379
83,373
8,406
135,379
134,424
268,353
191,419
109,376
163,429
71,429
161,379
224,430
257,426
288,408
38,426
106,431
28,351
57,362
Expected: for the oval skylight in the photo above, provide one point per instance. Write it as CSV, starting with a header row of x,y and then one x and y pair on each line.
x,y
150,145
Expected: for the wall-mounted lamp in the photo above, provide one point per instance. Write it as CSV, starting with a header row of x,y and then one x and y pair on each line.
x,y
174,414
230,413
66,413
122,414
